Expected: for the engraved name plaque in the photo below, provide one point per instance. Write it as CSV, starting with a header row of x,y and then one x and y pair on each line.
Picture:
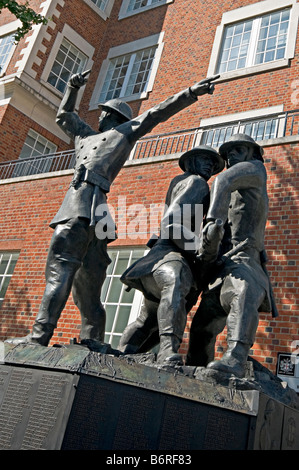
x,y
108,415
34,407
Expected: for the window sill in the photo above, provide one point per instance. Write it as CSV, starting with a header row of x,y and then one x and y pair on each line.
x,y
270,66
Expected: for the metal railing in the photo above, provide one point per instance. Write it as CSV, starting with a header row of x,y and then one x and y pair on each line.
x,y
38,165
270,127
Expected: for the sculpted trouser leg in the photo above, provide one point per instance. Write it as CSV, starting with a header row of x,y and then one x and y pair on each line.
x,y
141,335
174,280
67,249
208,321
241,297
87,286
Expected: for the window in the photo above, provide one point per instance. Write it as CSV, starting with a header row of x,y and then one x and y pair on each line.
x,y
69,60
250,44
121,307
255,41
259,130
102,7
6,44
128,75
136,4
260,124
8,262
101,4
132,7
34,146
129,70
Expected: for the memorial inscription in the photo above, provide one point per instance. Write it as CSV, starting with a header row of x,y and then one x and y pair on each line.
x,y
108,415
34,408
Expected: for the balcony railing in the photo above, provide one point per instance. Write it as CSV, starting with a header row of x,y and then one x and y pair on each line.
x,y
37,165
270,127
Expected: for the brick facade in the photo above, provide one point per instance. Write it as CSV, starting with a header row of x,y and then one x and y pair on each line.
x,y
28,204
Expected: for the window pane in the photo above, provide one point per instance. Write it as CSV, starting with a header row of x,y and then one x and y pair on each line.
x,y
8,262
272,37
122,319
6,43
110,314
235,46
127,297
115,289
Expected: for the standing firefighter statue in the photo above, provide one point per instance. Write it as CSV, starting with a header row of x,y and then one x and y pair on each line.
x,y
241,286
78,259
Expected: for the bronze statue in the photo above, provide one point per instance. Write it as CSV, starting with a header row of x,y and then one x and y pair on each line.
x,y
240,287
77,258
168,276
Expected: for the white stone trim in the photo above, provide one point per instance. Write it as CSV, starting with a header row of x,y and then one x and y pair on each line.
x,y
34,41
245,13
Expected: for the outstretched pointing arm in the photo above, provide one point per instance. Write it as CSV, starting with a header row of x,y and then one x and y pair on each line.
x,y
144,123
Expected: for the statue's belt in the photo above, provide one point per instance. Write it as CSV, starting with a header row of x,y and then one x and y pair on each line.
x,y
83,174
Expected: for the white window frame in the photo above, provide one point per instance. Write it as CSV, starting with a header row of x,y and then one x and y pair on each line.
x,y
250,12
74,38
137,296
5,275
105,13
9,28
130,48
124,13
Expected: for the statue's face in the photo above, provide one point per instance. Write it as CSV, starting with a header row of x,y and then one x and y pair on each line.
x,y
239,153
202,165
108,120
